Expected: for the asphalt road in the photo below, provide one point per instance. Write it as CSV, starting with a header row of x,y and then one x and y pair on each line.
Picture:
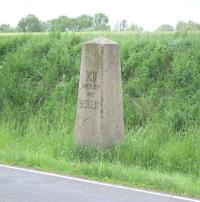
x,y
23,185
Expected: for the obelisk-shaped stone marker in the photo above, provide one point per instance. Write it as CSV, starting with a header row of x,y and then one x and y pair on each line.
x,y
99,119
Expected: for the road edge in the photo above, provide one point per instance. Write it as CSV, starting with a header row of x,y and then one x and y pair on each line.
x,y
98,183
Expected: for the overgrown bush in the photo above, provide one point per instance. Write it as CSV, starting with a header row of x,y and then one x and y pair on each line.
x,y
161,78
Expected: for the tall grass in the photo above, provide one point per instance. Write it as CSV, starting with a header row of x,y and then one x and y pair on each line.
x,y
39,77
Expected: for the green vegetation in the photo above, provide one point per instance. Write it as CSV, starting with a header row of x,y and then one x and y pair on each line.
x,y
165,28
161,78
85,23
31,23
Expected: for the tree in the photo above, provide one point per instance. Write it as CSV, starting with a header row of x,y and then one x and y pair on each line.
x,y
30,23
100,22
60,24
165,28
135,28
6,28
123,25
80,23
84,22
187,26
44,26
181,26
64,23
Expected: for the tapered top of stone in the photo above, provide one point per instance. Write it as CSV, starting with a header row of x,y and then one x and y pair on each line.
x,y
101,41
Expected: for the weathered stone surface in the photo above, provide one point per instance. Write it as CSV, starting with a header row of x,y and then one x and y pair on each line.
x,y
99,119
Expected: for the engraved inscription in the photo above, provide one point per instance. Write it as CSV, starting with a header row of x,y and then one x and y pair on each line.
x,y
91,76
89,94
88,104
90,86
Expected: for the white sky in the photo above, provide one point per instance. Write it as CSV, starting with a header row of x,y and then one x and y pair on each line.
x,y
147,13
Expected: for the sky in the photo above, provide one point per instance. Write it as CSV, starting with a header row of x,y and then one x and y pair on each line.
x,y
147,13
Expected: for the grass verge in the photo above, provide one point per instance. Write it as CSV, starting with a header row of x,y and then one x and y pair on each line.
x,y
35,153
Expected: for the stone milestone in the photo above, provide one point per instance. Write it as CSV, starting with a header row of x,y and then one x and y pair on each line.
x,y
99,118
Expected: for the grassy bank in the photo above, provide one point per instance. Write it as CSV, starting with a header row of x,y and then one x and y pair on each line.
x,y
161,77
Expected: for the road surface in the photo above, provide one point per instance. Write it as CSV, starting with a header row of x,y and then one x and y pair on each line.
x,y
24,185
